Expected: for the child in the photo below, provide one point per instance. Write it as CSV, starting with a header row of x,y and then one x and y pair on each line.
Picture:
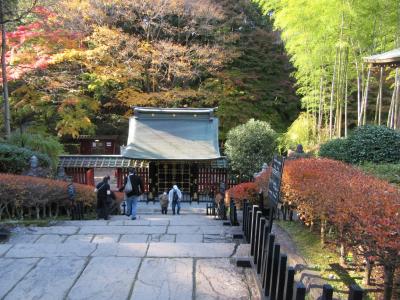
x,y
164,203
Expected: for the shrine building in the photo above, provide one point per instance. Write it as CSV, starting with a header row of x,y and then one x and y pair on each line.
x,y
166,146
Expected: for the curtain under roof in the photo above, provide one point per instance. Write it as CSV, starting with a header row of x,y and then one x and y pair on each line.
x,y
172,134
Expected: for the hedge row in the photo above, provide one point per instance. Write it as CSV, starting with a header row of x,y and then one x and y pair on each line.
x,y
362,210
377,144
25,196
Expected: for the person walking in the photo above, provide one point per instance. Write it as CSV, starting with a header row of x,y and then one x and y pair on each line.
x,y
103,192
175,197
133,188
164,203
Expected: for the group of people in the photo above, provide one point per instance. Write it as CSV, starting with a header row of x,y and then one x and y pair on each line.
x,y
133,188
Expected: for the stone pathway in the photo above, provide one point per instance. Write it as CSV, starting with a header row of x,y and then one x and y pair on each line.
x,y
190,256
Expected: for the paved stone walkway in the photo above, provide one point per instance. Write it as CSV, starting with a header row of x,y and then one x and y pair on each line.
x,y
190,256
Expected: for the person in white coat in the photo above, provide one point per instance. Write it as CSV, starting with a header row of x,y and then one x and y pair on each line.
x,y
175,197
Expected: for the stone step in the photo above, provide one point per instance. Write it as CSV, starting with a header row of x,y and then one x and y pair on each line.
x,y
85,249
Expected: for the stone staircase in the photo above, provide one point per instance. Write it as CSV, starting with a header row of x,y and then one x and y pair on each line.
x,y
190,256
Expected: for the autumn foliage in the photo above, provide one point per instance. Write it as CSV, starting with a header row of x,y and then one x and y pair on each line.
x,y
25,196
363,211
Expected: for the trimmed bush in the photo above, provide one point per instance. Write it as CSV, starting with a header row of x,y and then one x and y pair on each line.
x,y
22,196
250,145
15,159
335,149
377,144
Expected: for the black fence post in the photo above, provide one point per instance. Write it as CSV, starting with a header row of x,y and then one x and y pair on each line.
x,y
274,271
260,248
327,292
264,252
268,262
355,292
235,218
256,236
289,284
281,276
300,293
253,229
244,209
249,222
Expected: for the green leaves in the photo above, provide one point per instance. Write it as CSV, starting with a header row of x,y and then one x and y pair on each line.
x,y
250,145
377,144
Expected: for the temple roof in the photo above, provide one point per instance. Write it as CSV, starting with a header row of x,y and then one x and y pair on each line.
x,y
388,58
173,134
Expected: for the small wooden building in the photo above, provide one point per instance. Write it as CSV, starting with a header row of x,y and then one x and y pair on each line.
x,y
100,144
167,147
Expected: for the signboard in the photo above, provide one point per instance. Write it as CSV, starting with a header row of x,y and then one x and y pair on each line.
x,y
274,185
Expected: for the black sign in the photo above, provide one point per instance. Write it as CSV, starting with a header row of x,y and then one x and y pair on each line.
x,y
274,185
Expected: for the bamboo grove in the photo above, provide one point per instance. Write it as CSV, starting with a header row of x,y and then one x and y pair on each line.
x,y
327,42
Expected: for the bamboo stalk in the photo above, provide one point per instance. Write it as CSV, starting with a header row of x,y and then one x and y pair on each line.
x,y
380,98
365,102
396,118
345,108
320,109
332,95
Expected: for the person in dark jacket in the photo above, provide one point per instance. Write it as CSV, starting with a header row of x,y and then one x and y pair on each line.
x,y
103,192
133,190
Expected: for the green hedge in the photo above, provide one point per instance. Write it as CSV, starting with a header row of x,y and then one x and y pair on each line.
x,y
15,159
377,144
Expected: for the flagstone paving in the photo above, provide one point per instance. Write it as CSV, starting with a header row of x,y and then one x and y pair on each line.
x,y
190,256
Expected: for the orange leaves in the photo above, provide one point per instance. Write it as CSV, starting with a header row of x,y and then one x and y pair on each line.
x,y
246,190
27,191
364,209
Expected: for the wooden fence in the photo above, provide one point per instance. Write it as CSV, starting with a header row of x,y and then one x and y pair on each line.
x,y
276,278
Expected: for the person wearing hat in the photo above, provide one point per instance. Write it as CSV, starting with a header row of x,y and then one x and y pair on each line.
x,y
133,188
175,197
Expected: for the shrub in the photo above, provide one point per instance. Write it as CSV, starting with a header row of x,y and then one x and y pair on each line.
x,y
335,149
14,159
47,145
364,210
25,195
250,145
377,144
242,191
374,144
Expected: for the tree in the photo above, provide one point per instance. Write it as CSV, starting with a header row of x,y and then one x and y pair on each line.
x,y
250,145
10,11
332,78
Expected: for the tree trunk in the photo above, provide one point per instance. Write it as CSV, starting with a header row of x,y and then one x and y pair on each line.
x,y
388,282
7,127
37,212
367,273
396,291
323,230
342,255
